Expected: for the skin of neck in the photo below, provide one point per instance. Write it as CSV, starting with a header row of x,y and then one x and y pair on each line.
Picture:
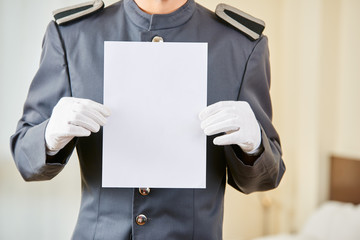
x,y
159,6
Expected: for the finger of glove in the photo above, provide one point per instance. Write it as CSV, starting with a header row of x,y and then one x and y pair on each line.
x,y
77,131
217,118
226,139
214,108
95,106
91,113
230,139
67,106
56,142
224,126
86,122
244,141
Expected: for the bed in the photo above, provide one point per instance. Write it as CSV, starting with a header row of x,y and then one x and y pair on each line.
x,y
338,218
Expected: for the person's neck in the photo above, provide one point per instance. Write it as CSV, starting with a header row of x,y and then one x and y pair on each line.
x,y
159,6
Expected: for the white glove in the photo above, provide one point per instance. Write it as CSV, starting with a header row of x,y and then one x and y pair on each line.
x,y
237,120
73,117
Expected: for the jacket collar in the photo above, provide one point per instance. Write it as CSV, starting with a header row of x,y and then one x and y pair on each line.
x,y
159,21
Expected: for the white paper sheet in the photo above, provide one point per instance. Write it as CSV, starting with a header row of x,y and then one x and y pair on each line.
x,y
153,137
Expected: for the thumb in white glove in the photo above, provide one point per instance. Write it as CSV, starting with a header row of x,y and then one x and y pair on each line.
x,y
237,120
73,117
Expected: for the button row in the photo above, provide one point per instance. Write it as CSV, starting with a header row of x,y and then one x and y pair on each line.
x,y
142,219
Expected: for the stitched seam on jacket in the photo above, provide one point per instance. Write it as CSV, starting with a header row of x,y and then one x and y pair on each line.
x,y
65,58
246,66
97,214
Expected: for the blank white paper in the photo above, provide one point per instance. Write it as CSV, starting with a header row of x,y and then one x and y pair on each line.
x,y
155,92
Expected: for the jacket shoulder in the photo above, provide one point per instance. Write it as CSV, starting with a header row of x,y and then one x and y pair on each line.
x,y
78,11
250,26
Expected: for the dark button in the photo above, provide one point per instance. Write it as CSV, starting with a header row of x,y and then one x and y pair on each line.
x,y
141,219
144,191
157,39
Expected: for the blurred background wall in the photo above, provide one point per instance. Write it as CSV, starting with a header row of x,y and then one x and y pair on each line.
x,y
315,58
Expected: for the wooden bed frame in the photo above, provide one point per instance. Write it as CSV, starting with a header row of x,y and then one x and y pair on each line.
x,y
345,179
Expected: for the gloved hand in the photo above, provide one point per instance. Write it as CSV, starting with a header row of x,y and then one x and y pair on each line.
x,y
237,120
73,117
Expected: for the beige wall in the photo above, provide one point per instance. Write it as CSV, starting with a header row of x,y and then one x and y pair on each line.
x,y
315,84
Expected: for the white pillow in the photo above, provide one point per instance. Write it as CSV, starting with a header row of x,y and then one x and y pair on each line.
x,y
334,221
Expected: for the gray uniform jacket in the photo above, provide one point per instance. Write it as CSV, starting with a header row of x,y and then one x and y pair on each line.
x,y
72,65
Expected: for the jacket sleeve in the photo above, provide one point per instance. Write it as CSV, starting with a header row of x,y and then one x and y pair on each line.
x,y
50,83
268,168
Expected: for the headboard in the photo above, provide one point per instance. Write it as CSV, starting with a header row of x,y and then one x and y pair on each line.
x,y
345,179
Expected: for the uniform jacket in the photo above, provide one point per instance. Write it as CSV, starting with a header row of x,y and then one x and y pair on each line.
x,y
72,64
